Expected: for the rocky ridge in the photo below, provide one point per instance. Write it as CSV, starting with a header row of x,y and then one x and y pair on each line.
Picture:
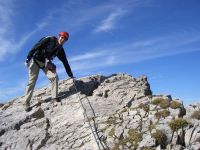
x,y
118,112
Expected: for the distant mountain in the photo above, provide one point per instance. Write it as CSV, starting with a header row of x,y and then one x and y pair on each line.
x,y
118,112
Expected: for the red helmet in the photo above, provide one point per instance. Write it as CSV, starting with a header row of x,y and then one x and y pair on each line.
x,y
64,34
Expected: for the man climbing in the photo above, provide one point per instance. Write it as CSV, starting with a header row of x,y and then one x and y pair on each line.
x,y
40,57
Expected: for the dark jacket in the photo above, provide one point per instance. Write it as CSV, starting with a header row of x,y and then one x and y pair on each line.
x,y
48,48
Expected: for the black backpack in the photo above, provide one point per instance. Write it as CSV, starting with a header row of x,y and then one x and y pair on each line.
x,y
48,49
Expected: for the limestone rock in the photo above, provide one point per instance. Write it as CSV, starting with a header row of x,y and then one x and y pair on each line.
x,y
98,112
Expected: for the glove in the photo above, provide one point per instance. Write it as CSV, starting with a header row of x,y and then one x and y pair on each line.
x,y
27,63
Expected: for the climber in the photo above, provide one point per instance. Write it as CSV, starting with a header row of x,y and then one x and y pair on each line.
x,y
40,57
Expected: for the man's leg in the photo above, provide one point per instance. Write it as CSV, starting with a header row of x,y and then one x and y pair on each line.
x,y
53,77
33,75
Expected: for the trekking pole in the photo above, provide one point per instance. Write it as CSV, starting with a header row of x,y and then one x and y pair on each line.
x,y
85,115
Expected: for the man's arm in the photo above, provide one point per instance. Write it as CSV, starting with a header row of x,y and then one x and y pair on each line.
x,y
62,57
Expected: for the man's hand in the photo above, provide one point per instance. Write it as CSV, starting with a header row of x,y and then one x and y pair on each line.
x,y
27,63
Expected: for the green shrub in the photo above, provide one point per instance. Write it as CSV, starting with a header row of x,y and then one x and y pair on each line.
x,y
196,115
163,103
160,138
134,137
162,114
144,107
105,128
156,101
177,124
121,141
112,132
151,127
175,105
111,120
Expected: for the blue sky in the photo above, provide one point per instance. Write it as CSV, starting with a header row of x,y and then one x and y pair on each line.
x,y
160,39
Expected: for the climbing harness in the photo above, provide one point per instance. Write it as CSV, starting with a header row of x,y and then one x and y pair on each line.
x,y
96,137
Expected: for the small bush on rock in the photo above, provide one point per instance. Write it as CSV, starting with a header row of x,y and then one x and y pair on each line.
x,y
134,137
163,103
147,148
177,124
196,115
144,107
175,104
162,114
112,132
160,138
151,127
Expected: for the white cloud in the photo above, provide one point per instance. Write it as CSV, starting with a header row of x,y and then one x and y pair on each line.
x,y
5,21
132,52
89,55
5,15
111,60
9,92
101,17
87,14
12,45
109,22
3,49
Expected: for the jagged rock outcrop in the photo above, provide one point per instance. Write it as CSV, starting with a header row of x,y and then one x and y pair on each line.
x,y
115,112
